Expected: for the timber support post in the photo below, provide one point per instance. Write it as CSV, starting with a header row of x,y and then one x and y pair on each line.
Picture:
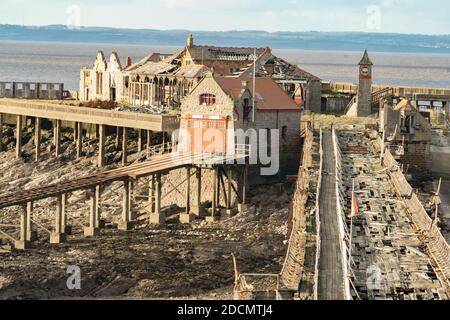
x,y
37,138
58,138
197,208
79,138
151,194
139,132
31,234
1,132
19,137
101,145
157,217
93,229
215,196
187,217
243,206
59,236
149,139
125,223
23,243
124,145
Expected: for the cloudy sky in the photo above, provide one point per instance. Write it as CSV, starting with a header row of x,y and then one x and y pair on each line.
x,y
402,16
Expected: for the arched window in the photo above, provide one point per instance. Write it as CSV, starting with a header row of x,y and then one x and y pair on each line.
x,y
207,99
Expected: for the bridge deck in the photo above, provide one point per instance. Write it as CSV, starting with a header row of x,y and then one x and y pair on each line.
x,y
52,110
331,284
157,164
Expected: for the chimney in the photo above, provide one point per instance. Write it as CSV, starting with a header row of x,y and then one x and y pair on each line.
x,y
127,62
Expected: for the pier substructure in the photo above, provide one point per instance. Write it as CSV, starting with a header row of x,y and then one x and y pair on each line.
x,y
197,209
1,132
124,146
23,243
187,217
18,137
57,138
37,138
157,217
58,235
153,169
101,145
79,139
31,234
126,223
93,229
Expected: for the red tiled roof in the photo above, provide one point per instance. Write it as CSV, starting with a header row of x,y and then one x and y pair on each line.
x,y
269,95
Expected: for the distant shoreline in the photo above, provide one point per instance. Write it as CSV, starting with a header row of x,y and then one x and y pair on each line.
x,y
308,41
143,45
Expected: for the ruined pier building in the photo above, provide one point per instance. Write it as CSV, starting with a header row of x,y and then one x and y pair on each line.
x,y
164,79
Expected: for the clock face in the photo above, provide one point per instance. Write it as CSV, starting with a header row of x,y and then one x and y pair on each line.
x,y
365,70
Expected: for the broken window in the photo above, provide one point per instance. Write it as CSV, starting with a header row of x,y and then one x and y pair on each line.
x,y
32,86
207,99
8,86
19,86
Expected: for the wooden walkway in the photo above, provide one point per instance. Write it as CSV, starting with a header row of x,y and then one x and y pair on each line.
x,y
331,284
158,164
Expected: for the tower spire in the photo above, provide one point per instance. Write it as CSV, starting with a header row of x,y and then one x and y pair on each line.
x,y
365,59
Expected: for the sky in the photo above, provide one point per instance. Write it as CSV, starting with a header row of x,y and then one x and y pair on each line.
x,y
398,16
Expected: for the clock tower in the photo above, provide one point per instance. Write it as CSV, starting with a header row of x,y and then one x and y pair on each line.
x,y
365,86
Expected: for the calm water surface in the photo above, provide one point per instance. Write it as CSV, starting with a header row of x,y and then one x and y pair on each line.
x,y
61,62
